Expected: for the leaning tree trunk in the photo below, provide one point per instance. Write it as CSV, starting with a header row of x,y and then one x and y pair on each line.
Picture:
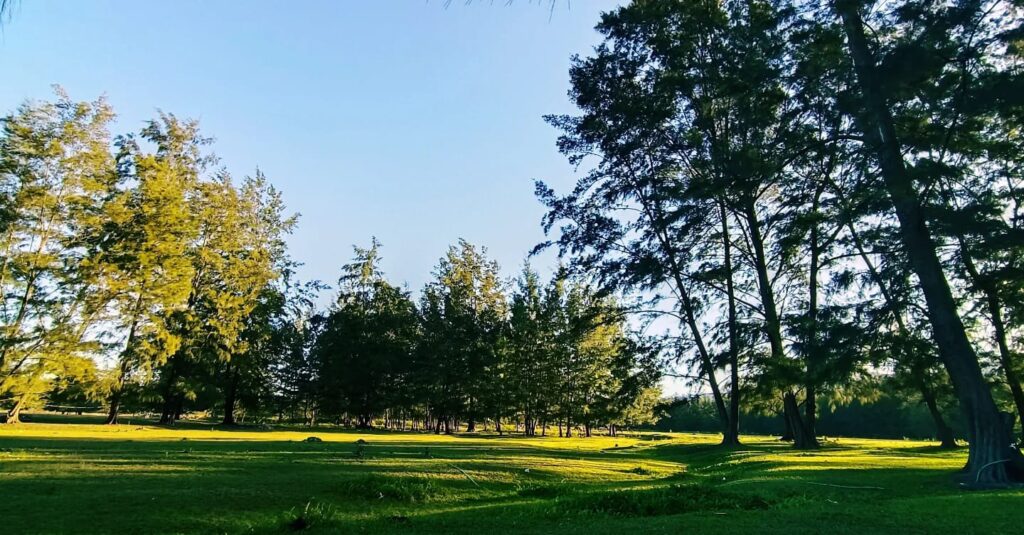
x,y
1005,358
773,330
654,213
117,394
802,439
943,432
990,455
14,415
995,311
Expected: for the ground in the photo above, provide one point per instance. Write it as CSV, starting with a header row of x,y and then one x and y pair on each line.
x,y
132,478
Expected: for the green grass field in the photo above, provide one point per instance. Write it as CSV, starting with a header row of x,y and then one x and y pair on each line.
x,y
87,478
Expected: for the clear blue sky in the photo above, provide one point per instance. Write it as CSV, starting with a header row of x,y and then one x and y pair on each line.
x,y
402,119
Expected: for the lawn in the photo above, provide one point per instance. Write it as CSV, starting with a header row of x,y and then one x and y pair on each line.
x,y
88,478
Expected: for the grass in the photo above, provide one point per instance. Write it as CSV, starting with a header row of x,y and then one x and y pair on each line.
x,y
88,478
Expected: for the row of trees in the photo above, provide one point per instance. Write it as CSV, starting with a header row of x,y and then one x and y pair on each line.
x,y
136,273
821,192
124,252
467,353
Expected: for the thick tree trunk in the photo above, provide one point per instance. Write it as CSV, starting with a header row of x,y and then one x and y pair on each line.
x,y
990,454
167,414
1006,360
772,324
796,426
115,408
229,404
14,415
787,429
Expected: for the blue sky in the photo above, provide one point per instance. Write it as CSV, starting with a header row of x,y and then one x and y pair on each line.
x,y
402,119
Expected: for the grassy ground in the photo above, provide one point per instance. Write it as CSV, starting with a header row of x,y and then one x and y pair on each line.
x,y
87,478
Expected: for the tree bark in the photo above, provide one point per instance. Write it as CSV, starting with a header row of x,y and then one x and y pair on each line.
x,y
230,397
117,393
943,432
802,440
655,216
990,453
731,436
772,324
14,415
812,356
995,311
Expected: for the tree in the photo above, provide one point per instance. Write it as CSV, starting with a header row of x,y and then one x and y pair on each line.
x,y
462,314
367,340
54,165
142,249
988,433
239,251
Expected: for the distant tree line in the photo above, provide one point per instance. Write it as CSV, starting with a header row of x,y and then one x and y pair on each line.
x,y
825,195
888,416
137,274
469,354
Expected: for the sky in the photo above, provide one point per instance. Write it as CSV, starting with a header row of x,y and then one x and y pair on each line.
x,y
408,120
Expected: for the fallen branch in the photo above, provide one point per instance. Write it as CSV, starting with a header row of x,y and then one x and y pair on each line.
x,y
843,486
470,478
807,482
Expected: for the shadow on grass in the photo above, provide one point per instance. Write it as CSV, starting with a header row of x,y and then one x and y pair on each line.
x,y
223,485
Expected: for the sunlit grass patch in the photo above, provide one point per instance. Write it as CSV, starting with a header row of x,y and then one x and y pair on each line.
x,y
93,478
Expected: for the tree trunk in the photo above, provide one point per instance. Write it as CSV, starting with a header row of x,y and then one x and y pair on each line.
x,y
811,358
990,453
772,324
802,440
995,310
117,393
14,415
942,431
656,217
731,436
230,395
787,429
167,414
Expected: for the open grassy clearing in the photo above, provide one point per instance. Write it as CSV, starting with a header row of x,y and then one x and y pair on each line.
x,y
141,478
